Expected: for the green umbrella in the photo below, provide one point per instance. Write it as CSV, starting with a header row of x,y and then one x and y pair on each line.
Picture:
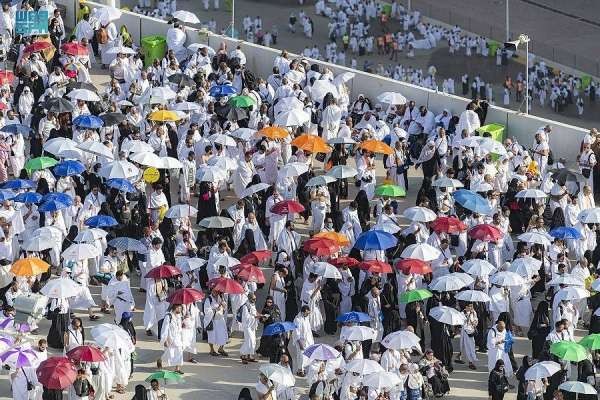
x,y
591,342
390,191
242,101
40,163
569,351
166,376
415,295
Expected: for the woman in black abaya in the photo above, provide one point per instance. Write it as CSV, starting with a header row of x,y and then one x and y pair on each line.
x,y
59,315
363,208
415,318
540,328
268,343
207,202
391,317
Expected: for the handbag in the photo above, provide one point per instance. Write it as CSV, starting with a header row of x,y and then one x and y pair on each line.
x,y
428,391
586,172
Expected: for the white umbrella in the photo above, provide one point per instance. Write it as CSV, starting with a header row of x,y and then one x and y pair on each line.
x,y
400,340
254,189
542,370
90,235
48,231
278,374
358,333
566,279
419,214
590,216
216,222
476,296
466,278
60,288
58,145
293,169
80,251
535,237
83,94
363,366
148,159
288,103
578,388
447,182
96,148
189,264
341,140
38,243
294,76
194,47
171,163
481,187
447,315
225,163
388,227
124,103
108,14
525,266
531,194
113,336
186,106
571,293
343,78
478,267
181,211
320,180
245,134
342,172
136,146
381,380
119,169
492,146
507,278
186,17
421,251
391,98
447,283
222,139
325,270
157,94
226,261
210,173
320,88
121,50
295,117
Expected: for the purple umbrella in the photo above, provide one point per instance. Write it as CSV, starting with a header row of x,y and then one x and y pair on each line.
x,y
24,327
19,357
321,352
6,342
7,322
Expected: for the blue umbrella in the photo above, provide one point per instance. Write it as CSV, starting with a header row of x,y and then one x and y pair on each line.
x,y
353,316
101,221
16,129
53,205
222,90
277,328
7,194
565,232
69,168
88,121
61,197
17,184
28,197
128,244
375,240
472,201
122,185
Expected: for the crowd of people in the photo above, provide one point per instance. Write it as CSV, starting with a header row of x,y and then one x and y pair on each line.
x,y
364,293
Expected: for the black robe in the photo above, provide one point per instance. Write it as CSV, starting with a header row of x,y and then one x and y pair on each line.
x,y
56,333
267,343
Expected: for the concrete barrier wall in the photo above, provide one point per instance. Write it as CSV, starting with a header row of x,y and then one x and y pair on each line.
x,y
564,140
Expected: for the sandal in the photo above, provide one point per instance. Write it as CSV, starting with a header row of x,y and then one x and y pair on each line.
x,y
244,362
94,318
214,354
223,353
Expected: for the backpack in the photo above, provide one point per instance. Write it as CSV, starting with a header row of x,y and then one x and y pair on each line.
x,y
102,35
240,313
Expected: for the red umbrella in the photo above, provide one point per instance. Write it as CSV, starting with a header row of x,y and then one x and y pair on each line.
x,y
448,225
321,246
249,273
56,373
376,266
185,296
287,206
86,353
37,46
485,233
344,260
256,256
6,76
413,266
74,49
164,271
225,285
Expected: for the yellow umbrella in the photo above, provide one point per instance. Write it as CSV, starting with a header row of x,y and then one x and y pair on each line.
x,y
376,146
164,116
29,266
341,239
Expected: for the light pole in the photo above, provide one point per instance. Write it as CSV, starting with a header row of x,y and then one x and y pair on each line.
x,y
233,19
507,22
525,39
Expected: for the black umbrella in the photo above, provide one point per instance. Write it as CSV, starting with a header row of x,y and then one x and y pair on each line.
x,y
58,105
181,80
82,85
564,175
112,118
236,114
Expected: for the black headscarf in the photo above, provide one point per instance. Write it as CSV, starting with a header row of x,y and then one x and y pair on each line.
x,y
140,393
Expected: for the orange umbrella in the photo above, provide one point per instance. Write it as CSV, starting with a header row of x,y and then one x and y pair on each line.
x,y
376,146
341,239
29,266
274,132
311,143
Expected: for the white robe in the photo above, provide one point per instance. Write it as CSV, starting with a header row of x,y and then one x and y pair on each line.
x,y
316,318
302,338
172,339
496,351
249,326
214,312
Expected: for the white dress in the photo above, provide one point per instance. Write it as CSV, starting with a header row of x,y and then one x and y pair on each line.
x,y
316,318
214,312
249,326
172,338
279,297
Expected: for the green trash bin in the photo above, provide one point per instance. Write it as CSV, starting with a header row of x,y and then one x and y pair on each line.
x,y
498,133
154,47
493,46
